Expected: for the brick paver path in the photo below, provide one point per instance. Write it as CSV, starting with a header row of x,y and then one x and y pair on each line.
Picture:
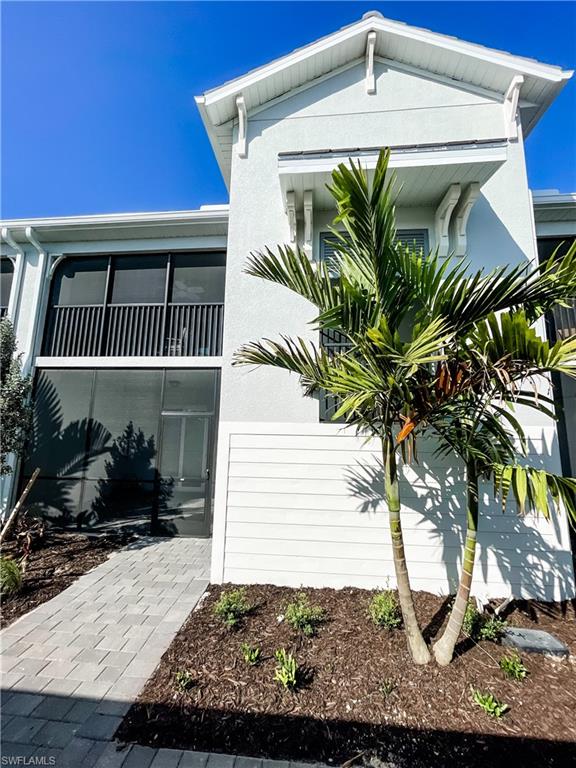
x,y
72,667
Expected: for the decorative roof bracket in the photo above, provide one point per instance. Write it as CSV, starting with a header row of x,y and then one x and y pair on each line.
x,y
242,126
442,218
370,46
461,216
511,106
291,211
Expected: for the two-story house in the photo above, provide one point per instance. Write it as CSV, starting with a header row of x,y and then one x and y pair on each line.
x,y
129,322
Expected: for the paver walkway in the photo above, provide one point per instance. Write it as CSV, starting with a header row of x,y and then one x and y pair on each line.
x,y
72,667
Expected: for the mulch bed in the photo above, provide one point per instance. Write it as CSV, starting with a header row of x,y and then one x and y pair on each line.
x,y
340,710
62,559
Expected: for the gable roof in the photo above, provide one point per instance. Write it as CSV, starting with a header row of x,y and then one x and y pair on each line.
x,y
443,55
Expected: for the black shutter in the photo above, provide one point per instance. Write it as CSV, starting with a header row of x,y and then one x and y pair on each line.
x,y
416,238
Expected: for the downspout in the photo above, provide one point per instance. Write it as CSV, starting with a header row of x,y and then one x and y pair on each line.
x,y
14,300
31,347
36,323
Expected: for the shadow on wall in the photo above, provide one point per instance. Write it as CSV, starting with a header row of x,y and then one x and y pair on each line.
x,y
131,496
490,244
529,562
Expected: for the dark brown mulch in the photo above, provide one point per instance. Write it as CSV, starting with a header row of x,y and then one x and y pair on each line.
x,y
340,709
62,559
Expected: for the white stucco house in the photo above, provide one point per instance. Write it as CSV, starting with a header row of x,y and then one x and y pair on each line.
x,y
128,322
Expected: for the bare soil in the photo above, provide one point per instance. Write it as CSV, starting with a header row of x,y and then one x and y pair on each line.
x,y
62,559
340,711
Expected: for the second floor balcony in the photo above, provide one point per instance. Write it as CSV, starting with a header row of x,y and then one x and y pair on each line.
x,y
139,305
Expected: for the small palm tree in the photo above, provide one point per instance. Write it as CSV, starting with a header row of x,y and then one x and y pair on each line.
x,y
391,382
477,422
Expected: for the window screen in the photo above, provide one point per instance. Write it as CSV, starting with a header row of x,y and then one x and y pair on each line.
x,y
80,282
416,238
6,275
139,280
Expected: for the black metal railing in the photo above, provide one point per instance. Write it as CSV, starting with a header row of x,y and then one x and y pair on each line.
x,y
129,330
333,342
565,320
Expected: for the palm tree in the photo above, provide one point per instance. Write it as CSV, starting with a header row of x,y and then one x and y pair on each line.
x,y
477,423
388,381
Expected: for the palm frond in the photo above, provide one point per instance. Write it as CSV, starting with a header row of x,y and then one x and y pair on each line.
x,y
535,490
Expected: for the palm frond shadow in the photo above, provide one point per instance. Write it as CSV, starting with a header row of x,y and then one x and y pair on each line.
x,y
505,545
64,495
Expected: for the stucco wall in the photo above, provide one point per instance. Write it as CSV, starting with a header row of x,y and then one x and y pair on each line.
x,y
286,510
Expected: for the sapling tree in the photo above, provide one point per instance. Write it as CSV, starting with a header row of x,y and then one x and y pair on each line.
x,y
15,408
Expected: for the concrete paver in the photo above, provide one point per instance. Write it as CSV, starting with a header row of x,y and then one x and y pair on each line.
x,y
73,666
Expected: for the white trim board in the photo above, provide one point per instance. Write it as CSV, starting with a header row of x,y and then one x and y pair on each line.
x,y
128,362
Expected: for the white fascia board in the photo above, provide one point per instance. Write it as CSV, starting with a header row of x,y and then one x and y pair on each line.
x,y
212,214
560,198
213,139
516,64
326,163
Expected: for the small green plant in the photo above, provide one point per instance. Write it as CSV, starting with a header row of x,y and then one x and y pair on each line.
x,y
479,626
472,621
232,606
387,687
492,628
250,653
512,666
384,610
489,703
286,672
10,576
302,616
183,680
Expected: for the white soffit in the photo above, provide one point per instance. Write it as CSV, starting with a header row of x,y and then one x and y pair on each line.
x,y
443,55
207,220
551,205
423,173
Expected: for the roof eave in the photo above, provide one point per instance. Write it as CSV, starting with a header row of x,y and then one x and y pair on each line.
x,y
214,143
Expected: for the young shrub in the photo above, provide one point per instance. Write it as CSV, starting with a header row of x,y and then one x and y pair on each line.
x,y
384,610
472,621
302,616
479,626
250,653
489,703
387,687
232,606
492,628
512,666
10,576
183,680
286,672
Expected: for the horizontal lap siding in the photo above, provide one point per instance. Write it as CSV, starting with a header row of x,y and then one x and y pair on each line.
x,y
307,509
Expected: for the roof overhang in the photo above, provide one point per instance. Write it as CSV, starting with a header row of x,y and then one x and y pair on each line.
x,y
442,55
551,206
423,172
208,220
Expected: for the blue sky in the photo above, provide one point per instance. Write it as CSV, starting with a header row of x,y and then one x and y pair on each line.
x,y
97,98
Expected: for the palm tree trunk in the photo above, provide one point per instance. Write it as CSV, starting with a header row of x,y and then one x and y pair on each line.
x,y
416,643
444,648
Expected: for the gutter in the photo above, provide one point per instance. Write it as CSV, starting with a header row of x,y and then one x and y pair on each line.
x,y
37,323
16,290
